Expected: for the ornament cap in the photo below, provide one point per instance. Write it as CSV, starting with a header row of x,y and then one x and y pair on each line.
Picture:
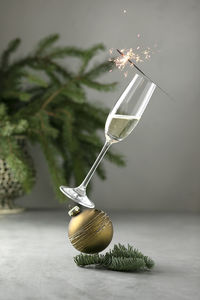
x,y
74,211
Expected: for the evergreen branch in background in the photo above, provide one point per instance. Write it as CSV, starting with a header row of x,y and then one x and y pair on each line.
x,y
61,52
45,102
35,79
99,69
45,43
121,258
98,86
12,46
89,54
113,157
56,171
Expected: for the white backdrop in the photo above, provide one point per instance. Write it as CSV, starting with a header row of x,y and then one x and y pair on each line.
x,y
163,166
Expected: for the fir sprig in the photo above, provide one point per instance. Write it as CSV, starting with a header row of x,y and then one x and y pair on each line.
x,y
121,258
45,102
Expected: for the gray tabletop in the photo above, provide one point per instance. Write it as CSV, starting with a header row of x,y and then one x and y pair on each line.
x,y
36,258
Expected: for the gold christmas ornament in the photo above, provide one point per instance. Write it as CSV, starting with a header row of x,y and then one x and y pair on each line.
x,y
90,231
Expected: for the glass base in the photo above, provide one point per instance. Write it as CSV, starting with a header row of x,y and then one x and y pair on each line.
x,y
77,195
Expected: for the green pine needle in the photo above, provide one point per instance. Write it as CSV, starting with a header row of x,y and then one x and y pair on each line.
x,y
99,69
12,46
32,78
98,86
121,258
46,42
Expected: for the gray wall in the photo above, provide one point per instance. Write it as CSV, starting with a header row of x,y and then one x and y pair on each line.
x,y
163,166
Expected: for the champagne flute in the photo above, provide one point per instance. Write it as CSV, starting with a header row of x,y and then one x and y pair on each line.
x,y
120,122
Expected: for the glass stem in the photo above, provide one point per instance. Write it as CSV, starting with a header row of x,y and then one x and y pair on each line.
x,y
95,165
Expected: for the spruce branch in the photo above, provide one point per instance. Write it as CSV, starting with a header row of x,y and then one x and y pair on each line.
x,y
99,69
35,79
45,43
44,101
107,87
51,97
121,258
67,90
115,158
60,52
89,54
53,163
12,46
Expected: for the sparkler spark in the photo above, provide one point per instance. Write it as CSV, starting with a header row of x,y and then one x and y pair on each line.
x,y
134,65
128,60
134,56
111,50
131,54
138,55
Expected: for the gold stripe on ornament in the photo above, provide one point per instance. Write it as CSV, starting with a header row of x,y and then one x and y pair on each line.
x,y
90,224
82,237
93,226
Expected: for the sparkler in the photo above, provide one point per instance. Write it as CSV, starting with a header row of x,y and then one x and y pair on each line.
x,y
126,58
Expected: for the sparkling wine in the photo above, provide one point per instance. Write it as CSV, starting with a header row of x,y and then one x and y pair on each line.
x,y
119,127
